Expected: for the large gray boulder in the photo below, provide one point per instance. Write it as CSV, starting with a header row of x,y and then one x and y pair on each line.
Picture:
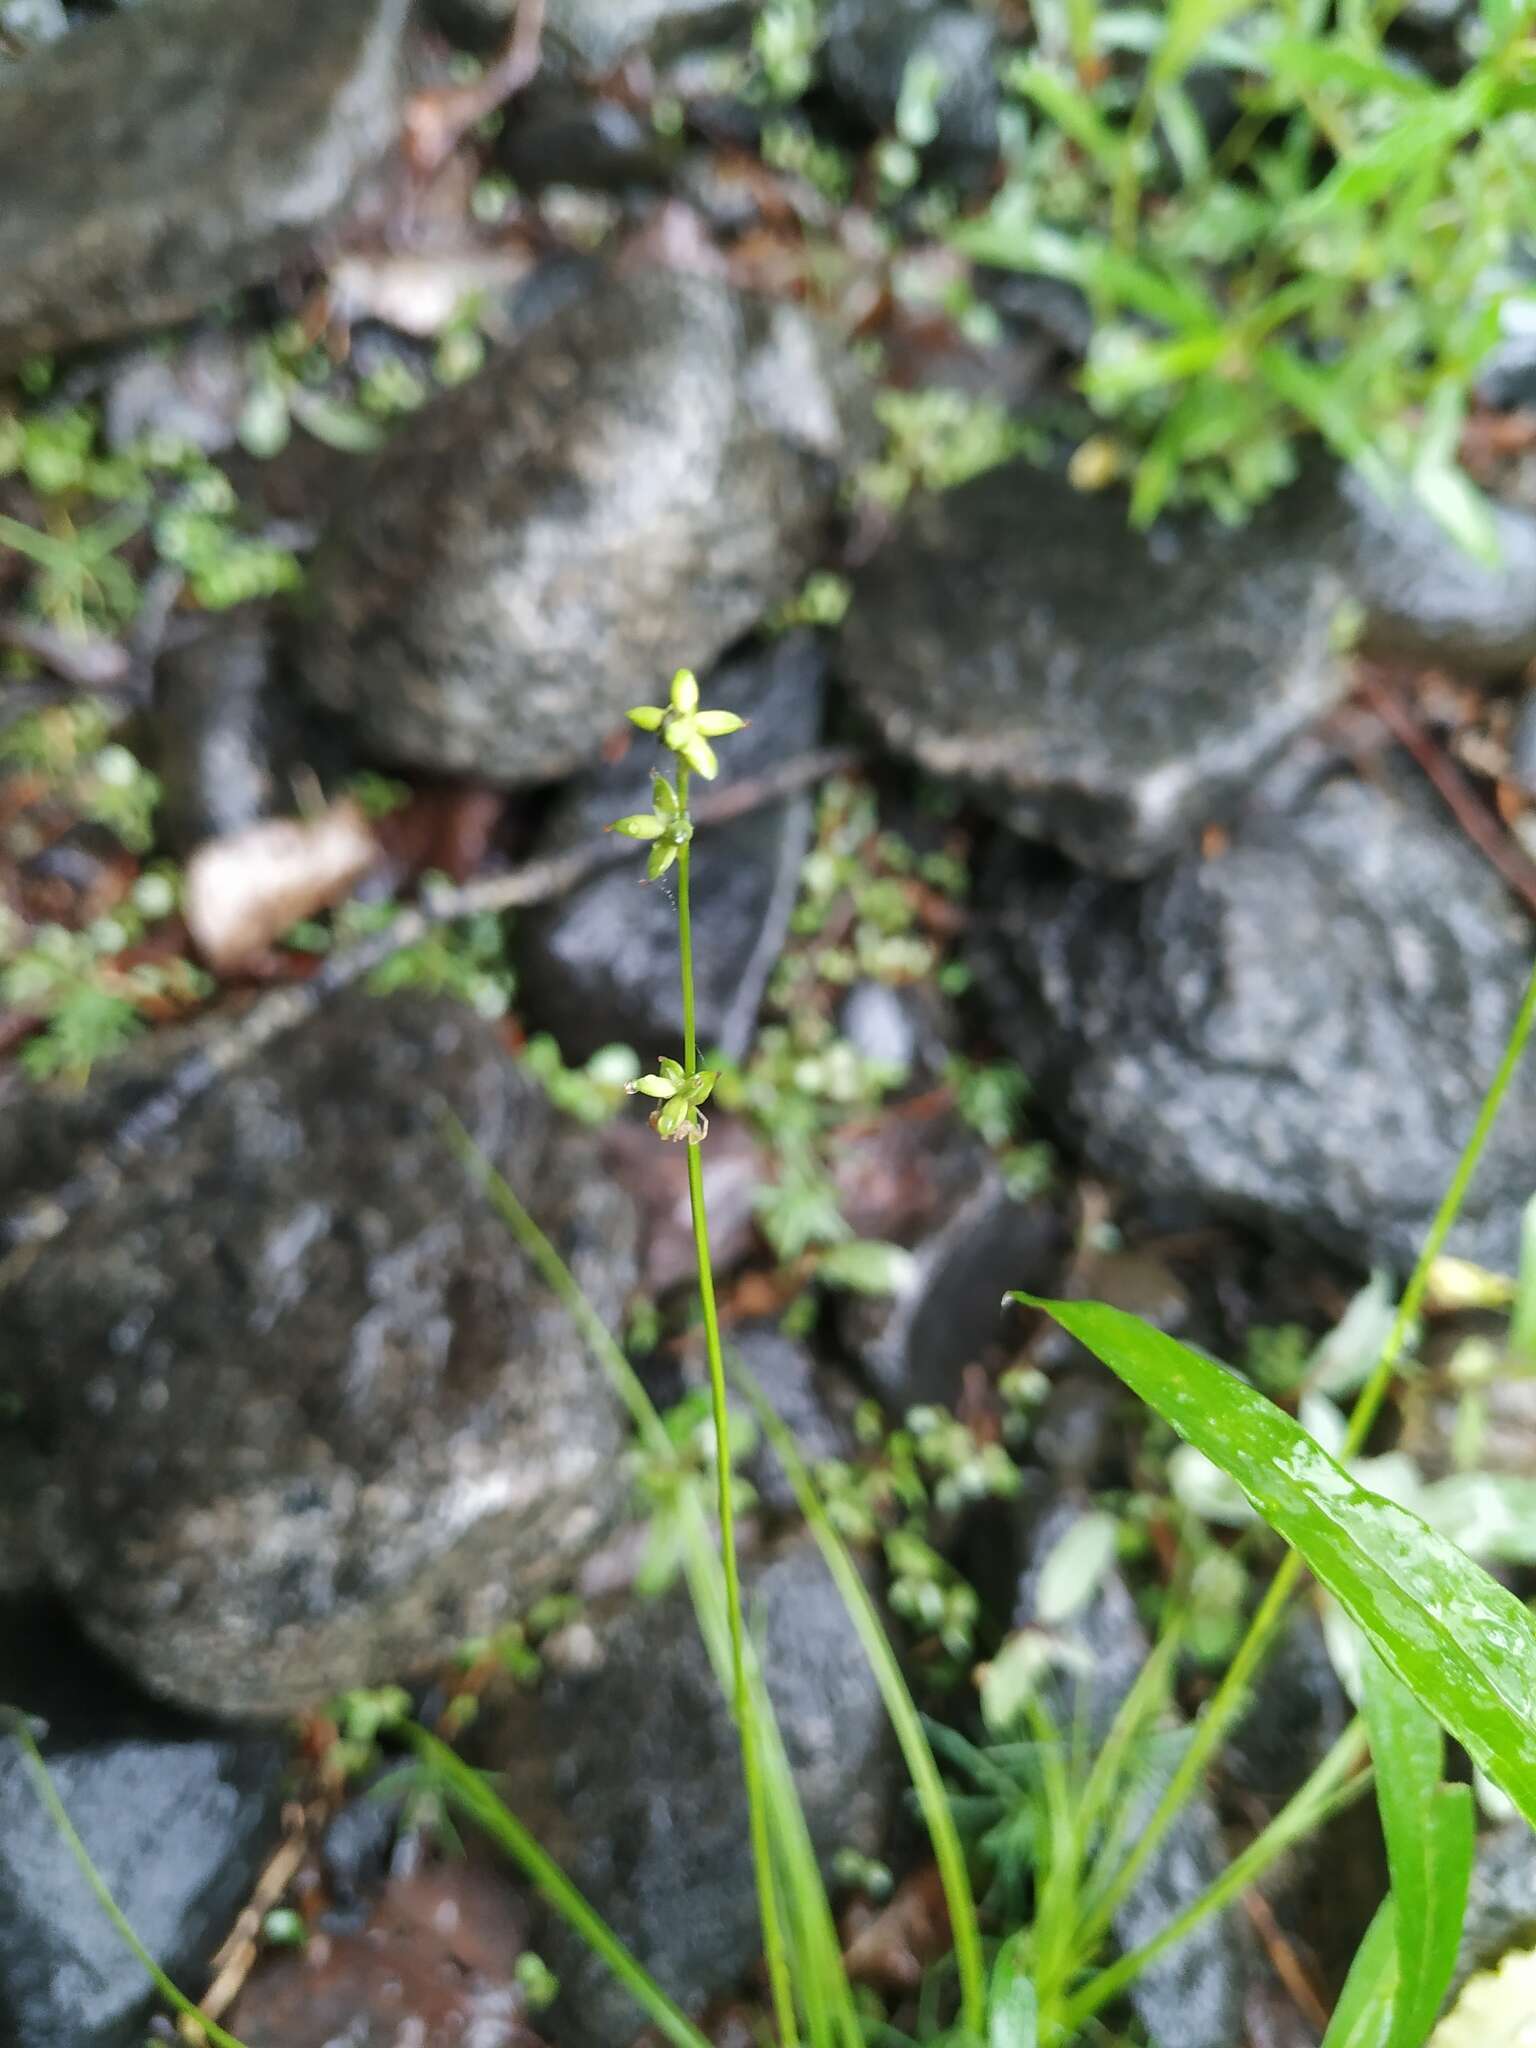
x,y
625,494
311,1417
1297,1034
1105,690
178,151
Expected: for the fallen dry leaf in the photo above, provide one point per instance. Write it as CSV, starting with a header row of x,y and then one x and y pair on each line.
x,y
244,891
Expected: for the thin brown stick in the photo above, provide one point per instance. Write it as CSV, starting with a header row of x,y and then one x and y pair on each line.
x,y
232,1044
1285,1962
1476,821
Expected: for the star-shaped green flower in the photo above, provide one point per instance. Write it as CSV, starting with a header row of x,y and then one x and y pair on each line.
x,y
685,728
668,826
682,1096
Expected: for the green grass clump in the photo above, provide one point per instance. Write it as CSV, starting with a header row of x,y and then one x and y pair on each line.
x,y
1329,257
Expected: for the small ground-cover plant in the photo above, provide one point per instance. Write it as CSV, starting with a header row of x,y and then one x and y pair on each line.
x,y
1327,253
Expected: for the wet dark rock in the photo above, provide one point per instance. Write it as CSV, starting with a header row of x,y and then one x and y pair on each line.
x,y
595,34
560,135
1426,597
1299,1710
1296,1034
1079,1435
970,1241
656,1175
626,494
355,1849
221,733
1192,1996
178,1815
624,1765
869,45
193,395
1522,744
601,965
160,159
814,1404
1105,690
592,36
312,1418
434,1968
1501,1901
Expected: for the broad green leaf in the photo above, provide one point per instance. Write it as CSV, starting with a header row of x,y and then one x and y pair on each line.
x,y
1364,2014
1012,2013
1463,1645
1430,1833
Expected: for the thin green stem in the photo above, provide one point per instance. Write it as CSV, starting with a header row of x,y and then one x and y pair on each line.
x,y
1231,1695
775,1950
15,1724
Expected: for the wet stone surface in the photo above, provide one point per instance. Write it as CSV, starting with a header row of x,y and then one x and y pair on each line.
x,y
1296,1034
930,1186
625,494
178,1815
223,736
1107,691
869,45
310,1419
171,153
625,1767
601,965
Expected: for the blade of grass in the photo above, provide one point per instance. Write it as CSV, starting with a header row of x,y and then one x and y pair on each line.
x,y
915,1749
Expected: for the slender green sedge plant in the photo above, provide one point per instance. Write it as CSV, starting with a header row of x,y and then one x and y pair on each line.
x,y
686,729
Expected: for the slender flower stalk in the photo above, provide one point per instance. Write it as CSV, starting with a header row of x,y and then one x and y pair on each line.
x,y
681,1088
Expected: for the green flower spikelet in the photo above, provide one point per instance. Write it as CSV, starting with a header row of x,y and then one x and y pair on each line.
x,y
682,1097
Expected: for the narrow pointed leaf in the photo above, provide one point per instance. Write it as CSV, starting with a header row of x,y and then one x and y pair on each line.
x,y
1363,2017
1013,2016
1430,1833
1463,1645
